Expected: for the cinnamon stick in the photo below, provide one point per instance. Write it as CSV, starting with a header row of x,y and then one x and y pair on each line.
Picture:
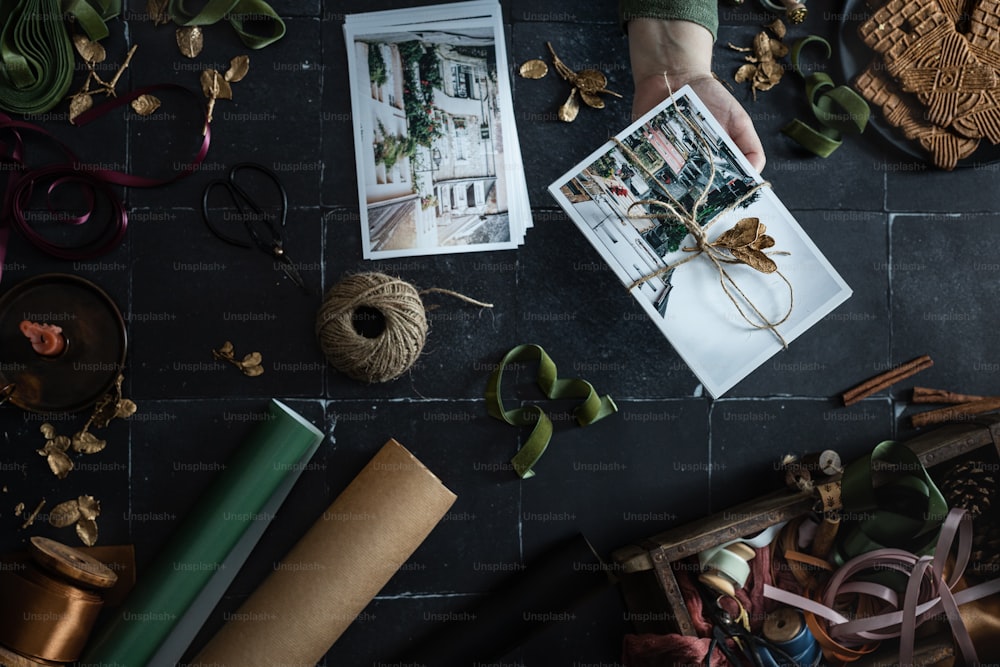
x,y
926,395
887,379
955,412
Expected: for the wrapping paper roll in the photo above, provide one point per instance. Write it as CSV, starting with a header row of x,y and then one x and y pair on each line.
x,y
178,591
337,568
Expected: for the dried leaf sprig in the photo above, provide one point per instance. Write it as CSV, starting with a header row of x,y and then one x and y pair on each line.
x,y
762,69
92,54
250,364
216,86
82,511
588,83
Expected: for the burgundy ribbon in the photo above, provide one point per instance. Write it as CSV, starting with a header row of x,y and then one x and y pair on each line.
x,y
928,593
92,181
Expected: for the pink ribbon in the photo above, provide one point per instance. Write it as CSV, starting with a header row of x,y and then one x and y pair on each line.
x,y
928,593
93,183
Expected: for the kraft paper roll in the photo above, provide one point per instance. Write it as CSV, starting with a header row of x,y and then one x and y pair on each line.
x,y
331,575
178,591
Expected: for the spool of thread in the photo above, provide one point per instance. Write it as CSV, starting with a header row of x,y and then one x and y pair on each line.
x,y
786,629
384,355
49,608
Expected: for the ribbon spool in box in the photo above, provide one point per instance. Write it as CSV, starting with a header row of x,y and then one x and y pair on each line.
x,y
79,363
49,607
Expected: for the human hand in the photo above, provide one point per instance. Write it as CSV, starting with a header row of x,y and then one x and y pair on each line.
x,y
665,56
730,113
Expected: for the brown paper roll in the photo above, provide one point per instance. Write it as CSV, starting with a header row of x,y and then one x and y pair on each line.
x,y
343,561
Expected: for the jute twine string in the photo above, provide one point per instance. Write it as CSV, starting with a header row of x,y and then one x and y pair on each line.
x,y
391,353
716,254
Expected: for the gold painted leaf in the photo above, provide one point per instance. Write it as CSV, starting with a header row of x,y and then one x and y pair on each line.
x,y
87,443
593,101
86,530
778,28
570,108
90,507
533,69
190,40
91,52
18,509
238,68
590,81
60,464
252,359
215,86
745,73
126,408
48,430
762,46
778,49
78,104
227,349
64,514
157,10
253,371
145,104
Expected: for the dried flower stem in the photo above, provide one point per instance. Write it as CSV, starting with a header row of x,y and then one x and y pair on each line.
x,y
34,513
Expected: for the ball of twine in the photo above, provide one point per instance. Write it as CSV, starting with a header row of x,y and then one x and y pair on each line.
x,y
391,353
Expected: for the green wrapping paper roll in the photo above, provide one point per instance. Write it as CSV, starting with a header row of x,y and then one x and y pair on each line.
x,y
220,523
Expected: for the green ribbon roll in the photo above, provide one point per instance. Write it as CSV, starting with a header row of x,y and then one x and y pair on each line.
x,y
838,109
36,53
592,409
903,511
169,594
239,13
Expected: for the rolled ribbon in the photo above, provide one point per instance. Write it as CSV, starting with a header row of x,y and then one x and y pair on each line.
x,y
93,180
239,13
337,568
178,591
927,593
787,630
838,109
48,608
37,56
729,564
592,409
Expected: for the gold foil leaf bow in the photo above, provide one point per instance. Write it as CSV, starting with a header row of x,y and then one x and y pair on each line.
x,y
746,241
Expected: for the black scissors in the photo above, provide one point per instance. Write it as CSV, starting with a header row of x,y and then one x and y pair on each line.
x,y
264,230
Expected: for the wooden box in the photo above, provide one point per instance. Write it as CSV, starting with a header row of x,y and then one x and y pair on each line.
x,y
652,595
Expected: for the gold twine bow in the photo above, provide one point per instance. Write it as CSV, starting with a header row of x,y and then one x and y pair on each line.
x,y
744,243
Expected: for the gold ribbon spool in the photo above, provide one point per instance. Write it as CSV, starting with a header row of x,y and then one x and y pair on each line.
x,y
49,608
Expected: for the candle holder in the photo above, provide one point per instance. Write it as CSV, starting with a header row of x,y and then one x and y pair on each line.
x,y
42,375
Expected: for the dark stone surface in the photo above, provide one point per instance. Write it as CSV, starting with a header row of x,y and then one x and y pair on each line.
x,y
917,247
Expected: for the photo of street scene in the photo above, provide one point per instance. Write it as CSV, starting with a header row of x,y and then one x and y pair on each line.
x,y
663,161
432,162
624,198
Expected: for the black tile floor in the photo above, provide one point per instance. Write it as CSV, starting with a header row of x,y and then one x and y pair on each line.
x,y
916,245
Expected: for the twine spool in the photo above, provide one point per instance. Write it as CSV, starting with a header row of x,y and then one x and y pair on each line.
x,y
387,355
395,304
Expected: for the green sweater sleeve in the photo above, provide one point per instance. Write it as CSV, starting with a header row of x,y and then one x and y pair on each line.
x,y
702,12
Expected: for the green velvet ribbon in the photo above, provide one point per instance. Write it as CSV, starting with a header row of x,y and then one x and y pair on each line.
x,y
36,52
838,109
592,409
241,14
903,511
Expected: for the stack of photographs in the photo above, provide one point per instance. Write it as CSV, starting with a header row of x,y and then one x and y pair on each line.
x,y
439,164
667,159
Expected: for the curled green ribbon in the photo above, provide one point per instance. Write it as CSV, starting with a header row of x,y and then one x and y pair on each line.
x,y
592,409
838,109
239,13
904,511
